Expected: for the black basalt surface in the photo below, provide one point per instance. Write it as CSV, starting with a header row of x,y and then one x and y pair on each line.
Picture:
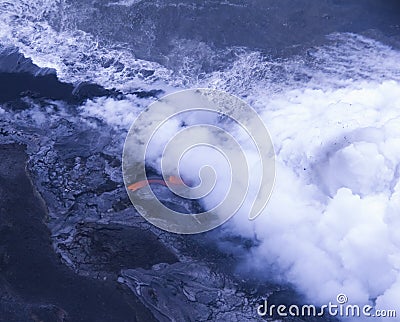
x,y
35,284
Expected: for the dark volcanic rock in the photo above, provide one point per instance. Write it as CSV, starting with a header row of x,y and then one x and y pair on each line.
x,y
146,94
107,249
19,78
31,273
86,90
11,61
17,85
189,292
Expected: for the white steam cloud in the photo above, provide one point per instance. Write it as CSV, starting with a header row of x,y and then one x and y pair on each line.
x,y
332,224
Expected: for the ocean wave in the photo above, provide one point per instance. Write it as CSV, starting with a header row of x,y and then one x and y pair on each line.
x,y
75,55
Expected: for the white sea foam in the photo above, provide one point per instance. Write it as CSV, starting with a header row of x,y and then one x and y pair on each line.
x,y
75,55
344,59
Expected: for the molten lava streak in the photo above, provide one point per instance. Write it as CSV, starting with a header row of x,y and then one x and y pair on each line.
x,y
140,184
